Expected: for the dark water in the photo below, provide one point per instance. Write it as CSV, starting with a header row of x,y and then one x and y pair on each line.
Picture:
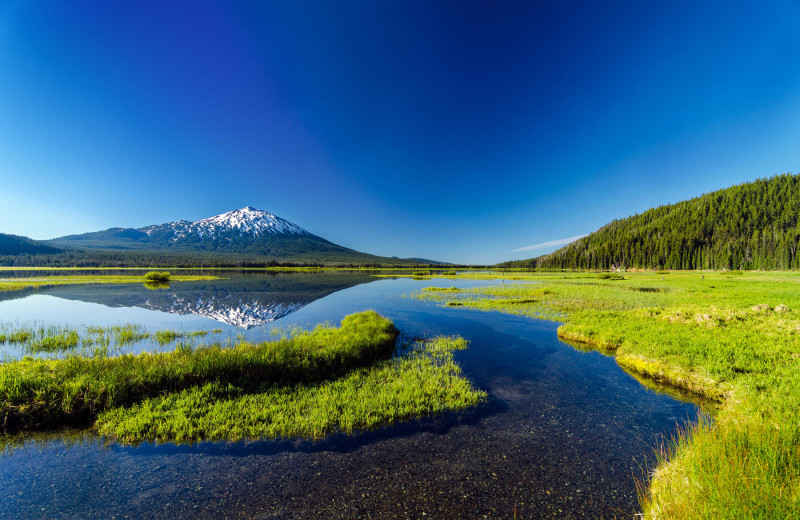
x,y
564,434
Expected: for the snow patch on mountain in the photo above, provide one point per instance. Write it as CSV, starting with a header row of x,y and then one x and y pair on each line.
x,y
249,222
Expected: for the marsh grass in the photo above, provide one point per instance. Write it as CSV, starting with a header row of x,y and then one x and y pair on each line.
x,y
442,289
15,336
425,380
305,383
731,338
119,334
38,393
59,342
157,276
40,339
165,337
610,276
17,284
91,341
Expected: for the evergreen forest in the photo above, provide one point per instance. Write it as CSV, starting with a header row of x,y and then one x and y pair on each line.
x,y
748,226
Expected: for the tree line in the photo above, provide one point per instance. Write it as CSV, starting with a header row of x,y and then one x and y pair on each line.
x,y
749,226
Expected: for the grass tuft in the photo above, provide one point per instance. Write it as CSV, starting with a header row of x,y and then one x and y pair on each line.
x,y
157,276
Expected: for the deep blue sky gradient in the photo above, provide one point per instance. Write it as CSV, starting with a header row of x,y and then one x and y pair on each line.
x,y
459,131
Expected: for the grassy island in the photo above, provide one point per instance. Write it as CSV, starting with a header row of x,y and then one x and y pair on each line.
x,y
731,337
304,385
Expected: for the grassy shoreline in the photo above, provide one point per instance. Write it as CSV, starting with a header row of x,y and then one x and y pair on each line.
x,y
308,384
730,337
17,284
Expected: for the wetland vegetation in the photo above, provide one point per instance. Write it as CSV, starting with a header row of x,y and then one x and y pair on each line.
x,y
157,276
16,284
92,341
731,337
424,381
307,384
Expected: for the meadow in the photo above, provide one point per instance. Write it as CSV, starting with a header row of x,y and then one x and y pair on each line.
x,y
306,384
731,338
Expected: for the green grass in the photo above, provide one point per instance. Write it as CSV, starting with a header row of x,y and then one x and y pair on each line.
x,y
166,336
16,284
312,383
442,289
93,340
157,276
119,334
40,339
425,381
59,342
732,338
15,336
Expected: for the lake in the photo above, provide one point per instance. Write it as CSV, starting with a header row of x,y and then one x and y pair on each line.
x,y
564,433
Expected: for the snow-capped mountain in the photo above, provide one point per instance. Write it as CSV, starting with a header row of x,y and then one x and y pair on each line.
x,y
243,222
248,232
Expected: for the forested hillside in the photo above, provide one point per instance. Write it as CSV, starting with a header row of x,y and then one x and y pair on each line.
x,y
749,226
16,245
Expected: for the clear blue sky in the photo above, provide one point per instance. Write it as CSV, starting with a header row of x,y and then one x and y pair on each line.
x,y
458,131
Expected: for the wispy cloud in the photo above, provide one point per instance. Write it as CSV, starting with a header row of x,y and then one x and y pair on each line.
x,y
551,243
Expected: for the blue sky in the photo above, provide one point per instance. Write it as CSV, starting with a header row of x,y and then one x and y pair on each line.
x,y
470,132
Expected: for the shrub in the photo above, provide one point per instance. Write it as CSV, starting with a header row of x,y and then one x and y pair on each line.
x,y
157,276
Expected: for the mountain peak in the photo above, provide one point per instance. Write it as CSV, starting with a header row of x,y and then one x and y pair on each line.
x,y
244,221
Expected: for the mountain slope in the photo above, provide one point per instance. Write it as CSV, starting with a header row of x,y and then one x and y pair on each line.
x,y
750,226
247,232
16,245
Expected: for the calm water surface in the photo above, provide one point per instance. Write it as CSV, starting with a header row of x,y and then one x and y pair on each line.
x,y
564,434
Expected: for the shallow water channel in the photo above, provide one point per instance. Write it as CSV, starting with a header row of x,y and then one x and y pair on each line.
x,y
564,434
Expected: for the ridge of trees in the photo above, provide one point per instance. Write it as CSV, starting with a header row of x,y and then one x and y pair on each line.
x,y
755,225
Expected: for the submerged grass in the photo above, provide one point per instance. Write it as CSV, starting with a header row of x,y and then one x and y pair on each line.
x,y
59,342
40,339
93,340
732,338
309,384
164,337
16,336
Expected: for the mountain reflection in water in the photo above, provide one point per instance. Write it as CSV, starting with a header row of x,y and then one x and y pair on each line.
x,y
242,301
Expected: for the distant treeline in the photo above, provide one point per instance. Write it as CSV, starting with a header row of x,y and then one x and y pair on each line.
x,y
153,259
749,226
